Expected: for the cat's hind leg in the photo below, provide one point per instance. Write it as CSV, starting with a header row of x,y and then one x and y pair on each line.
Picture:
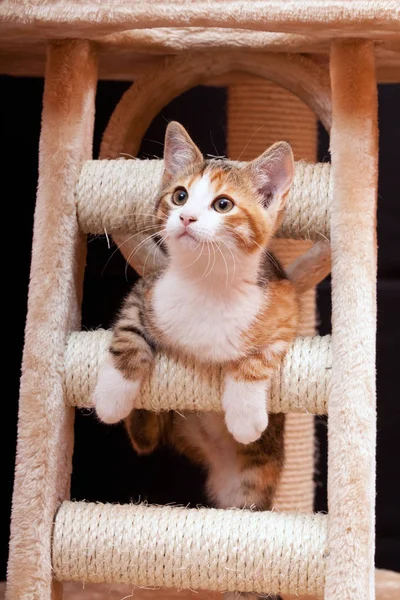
x,y
244,476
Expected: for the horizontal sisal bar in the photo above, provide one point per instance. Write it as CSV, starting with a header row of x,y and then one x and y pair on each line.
x,y
118,196
300,386
173,547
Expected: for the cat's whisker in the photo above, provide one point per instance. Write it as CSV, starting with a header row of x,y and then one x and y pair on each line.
x,y
136,249
117,226
214,146
107,238
224,259
145,230
323,236
215,253
263,248
233,257
154,249
251,138
198,256
181,414
136,214
246,241
207,272
155,142
202,249
131,237
208,261
272,258
151,214
143,242
214,256
201,252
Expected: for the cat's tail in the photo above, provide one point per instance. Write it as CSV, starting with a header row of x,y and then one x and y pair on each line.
x,y
310,268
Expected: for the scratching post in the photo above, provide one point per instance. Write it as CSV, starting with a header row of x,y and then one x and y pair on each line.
x,y
352,402
259,114
300,386
195,548
45,423
167,48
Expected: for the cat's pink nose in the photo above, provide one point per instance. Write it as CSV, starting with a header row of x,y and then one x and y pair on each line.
x,y
187,220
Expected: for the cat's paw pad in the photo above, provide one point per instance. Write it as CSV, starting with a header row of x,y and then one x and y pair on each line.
x,y
246,427
114,395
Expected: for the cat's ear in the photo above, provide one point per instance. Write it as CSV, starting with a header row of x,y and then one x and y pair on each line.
x,y
180,152
272,174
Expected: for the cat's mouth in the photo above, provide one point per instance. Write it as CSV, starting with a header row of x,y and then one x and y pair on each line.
x,y
186,234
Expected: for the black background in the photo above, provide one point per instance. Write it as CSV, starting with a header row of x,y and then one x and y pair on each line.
x,y
105,467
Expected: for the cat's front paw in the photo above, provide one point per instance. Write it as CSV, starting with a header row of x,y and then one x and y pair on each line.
x,y
114,395
245,406
246,428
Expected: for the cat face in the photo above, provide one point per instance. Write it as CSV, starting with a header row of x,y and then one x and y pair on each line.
x,y
209,204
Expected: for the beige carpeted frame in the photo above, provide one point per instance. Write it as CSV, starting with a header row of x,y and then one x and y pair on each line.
x,y
219,550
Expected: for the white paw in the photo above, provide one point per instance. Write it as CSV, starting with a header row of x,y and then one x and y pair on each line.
x,y
245,405
246,428
114,396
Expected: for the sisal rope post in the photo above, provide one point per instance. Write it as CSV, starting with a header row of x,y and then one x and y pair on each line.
x,y
259,114
119,197
352,402
301,385
181,548
45,423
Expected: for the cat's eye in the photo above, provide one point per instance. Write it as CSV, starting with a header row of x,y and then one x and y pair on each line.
x,y
222,205
179,196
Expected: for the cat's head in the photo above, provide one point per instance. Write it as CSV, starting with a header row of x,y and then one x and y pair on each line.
x,y
206,204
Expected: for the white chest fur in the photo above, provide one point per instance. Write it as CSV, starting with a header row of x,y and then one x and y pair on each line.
x,y
204,322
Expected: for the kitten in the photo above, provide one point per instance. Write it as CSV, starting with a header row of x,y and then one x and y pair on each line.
x,y
222,297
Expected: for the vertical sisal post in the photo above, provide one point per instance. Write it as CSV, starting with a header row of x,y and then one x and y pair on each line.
x,y
352,410
259,114
45,425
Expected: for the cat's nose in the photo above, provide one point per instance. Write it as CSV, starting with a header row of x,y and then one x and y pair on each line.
x,y
187,220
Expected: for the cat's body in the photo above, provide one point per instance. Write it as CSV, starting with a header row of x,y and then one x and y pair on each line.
x,y
222,298
219,299
237,474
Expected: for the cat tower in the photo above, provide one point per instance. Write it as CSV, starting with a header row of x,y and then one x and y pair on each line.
x,y
286,64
